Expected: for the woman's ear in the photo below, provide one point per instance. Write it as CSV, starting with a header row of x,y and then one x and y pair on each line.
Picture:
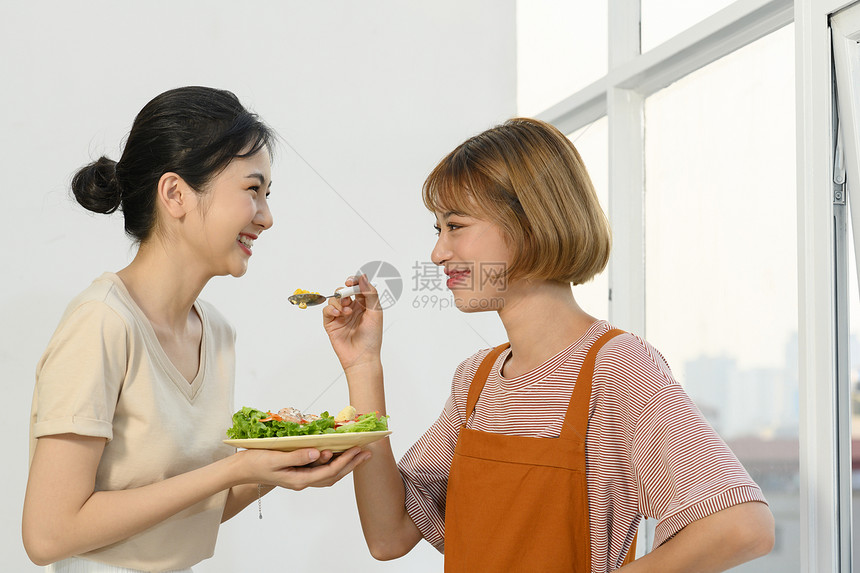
x,y
175,195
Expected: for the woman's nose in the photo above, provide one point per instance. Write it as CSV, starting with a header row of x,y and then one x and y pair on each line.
x,y
264,215
440,253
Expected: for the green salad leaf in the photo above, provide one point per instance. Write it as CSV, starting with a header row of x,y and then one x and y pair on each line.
x,y
247,424
370,422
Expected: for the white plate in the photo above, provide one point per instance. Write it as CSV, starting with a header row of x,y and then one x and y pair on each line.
x,y
338,442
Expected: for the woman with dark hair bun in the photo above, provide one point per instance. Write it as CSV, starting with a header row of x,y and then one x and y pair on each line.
x,y
128,472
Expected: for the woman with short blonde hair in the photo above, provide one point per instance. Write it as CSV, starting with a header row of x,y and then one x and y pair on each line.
x,y
552,447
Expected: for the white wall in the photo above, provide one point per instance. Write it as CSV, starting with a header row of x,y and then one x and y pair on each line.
x,y
368,95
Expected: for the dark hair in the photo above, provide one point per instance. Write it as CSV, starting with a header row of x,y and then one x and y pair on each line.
x,y
192,131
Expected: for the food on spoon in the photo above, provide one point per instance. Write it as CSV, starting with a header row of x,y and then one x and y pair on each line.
x,y
252,423
302,291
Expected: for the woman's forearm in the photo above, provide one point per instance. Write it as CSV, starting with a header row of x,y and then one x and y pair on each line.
x,y
714,543
379,494
240,496
366,387
64,517
379,490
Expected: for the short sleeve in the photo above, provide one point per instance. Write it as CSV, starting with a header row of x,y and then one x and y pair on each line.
x,y
424,469
685,470
80,375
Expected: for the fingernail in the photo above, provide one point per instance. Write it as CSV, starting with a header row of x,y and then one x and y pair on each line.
x,y
313,455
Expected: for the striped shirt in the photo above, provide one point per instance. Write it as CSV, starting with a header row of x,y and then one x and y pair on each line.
x,y
649,451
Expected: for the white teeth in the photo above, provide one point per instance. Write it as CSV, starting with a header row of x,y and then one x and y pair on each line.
x,y
247,241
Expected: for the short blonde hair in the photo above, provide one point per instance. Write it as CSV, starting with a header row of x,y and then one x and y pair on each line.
x,y
527,177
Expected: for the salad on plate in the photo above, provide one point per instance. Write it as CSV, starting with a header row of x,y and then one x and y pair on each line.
x,y
250,423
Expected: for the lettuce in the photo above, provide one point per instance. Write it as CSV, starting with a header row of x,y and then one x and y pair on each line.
x,y
370,422
247,424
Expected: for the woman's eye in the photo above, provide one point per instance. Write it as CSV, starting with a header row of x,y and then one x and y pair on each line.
x,y
453,226
437,230
254,188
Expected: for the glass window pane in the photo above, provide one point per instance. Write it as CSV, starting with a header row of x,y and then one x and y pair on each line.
x,y
561,48
592,142
662,20
721,261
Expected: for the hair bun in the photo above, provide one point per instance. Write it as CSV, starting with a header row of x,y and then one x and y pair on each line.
x,y
96,187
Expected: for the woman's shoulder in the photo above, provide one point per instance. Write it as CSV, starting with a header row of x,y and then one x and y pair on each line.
x,y
470,365
101,298
466,371
633,366
629,350
96,315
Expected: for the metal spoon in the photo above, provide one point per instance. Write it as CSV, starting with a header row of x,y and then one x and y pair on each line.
x,y
313,299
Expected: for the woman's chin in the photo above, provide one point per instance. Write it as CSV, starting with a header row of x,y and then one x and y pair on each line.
x,y
238,270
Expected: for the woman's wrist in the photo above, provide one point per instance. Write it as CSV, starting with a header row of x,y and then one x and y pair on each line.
x,y
235,470
366,387
356,358
360,371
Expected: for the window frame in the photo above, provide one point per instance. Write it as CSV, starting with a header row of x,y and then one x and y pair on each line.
x,y
845,161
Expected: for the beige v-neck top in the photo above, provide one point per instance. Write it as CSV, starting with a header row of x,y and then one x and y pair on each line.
x,y
105,374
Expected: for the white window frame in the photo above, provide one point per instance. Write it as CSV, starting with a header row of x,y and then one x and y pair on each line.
x,y
845,36
620,94
845,32
825,533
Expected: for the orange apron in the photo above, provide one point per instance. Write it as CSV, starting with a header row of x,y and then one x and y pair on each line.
x,y
516,503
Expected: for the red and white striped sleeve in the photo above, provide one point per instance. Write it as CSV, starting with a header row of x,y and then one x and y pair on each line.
x,y
425,466
651,452
681,467
685,470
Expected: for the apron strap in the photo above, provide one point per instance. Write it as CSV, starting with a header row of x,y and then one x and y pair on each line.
x,y
576,420
480,378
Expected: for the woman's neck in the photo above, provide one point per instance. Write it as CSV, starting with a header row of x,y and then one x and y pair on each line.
x,y
541,319
164,287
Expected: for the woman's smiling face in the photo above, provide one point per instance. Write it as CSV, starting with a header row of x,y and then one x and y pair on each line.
x,y
232,213
475,256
